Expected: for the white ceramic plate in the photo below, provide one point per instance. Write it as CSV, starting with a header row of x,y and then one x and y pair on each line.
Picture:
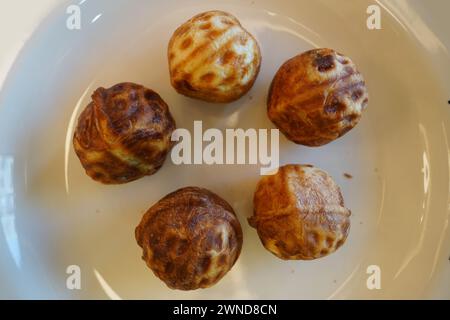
x,y
53,216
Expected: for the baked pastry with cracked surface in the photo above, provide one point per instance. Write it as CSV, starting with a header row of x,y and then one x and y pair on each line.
x,y
123,134
190,238
213,58
317,97
299,213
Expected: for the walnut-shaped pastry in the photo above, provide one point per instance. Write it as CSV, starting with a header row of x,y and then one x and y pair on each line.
x,y
213,58
190,238
317,97
123,134
299,213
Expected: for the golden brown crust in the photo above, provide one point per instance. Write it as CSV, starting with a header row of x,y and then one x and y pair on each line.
x,y
190,238
123,134
299,213
317,97
213,58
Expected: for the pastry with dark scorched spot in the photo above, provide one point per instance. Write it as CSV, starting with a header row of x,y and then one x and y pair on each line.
x,y
317,97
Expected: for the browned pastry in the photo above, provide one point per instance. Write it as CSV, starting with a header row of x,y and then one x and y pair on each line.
x,y
191,238
299,213
317,97
213,58
123,134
